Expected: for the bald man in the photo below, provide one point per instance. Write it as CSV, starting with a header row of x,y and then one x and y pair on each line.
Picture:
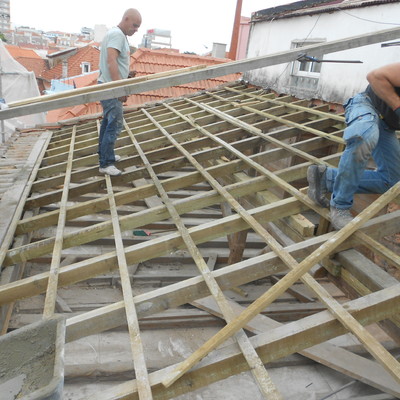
x,y
114,65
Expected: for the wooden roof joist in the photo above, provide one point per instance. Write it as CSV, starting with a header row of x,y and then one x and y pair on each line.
x,y
215,183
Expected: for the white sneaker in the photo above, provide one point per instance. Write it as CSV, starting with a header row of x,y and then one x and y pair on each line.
x,y
110,170
117,157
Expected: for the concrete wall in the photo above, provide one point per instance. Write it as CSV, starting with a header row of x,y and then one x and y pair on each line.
x,y
336,82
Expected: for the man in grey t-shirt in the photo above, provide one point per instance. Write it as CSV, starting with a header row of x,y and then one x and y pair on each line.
x,y
114,65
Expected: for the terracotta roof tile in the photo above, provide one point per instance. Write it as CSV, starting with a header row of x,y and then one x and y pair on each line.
x,y
38,66
148,62
17,52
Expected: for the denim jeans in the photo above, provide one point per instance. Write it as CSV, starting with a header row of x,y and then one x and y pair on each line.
x,y
111,127
366,135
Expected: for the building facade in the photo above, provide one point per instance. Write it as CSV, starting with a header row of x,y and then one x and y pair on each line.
x,y
286,27
5,21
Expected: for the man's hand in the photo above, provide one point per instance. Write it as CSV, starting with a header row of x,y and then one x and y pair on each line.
x,y
123,99
132,74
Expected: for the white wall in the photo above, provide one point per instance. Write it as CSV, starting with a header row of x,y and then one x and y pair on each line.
x,y
337,81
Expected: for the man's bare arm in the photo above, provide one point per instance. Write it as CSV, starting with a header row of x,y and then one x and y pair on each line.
x,y
383,80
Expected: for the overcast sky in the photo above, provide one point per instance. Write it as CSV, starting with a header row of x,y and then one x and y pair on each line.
x,y
194,24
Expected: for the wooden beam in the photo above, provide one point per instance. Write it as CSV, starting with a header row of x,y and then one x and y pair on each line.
x,y
346,362
52,286
137,349
271,345
182,292
261,376
207,73
377,350
103,229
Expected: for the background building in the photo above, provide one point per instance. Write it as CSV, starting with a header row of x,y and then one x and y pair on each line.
x,y
5,24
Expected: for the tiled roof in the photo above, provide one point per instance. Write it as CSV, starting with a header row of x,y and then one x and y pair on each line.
x,y
83,80
88,54
36,65
148,62
17,52
29,59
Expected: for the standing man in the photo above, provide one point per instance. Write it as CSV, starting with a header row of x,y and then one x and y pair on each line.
x,y
114,65
371,118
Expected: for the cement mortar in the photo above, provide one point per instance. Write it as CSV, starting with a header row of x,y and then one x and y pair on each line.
x,y
27,359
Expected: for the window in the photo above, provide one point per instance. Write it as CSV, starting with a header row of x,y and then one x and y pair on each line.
x,y
307,68
85,67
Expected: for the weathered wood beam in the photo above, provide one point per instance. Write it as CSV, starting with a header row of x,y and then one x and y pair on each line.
x,y
271,345
137,349
52,286
346,362
182,292
377,350
261,376
135,220
129,88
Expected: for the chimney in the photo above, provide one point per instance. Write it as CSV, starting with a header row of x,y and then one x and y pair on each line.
x,y
64,73
235,32
219,50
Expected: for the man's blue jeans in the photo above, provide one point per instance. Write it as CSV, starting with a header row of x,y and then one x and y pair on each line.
x,y
366,135
111,127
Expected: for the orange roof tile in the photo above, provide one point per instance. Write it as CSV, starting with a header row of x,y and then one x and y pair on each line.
x,y
38,66
85,80
17,52
147,62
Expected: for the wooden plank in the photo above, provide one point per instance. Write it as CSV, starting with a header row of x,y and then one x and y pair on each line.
x,y
295,293
52,285
372,277
332,356
207,73
265,384
124,197
390,256
151,201
375,348
271,345
146,250
179,293
137,349
104,229
281,102
107,85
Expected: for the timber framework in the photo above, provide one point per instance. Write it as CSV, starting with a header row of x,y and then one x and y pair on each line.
x,y
214,182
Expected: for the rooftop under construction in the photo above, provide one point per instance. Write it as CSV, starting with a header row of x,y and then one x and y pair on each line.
x,y
205,261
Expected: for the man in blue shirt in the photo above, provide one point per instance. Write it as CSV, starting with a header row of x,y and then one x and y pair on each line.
x,y
114,65
372,117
